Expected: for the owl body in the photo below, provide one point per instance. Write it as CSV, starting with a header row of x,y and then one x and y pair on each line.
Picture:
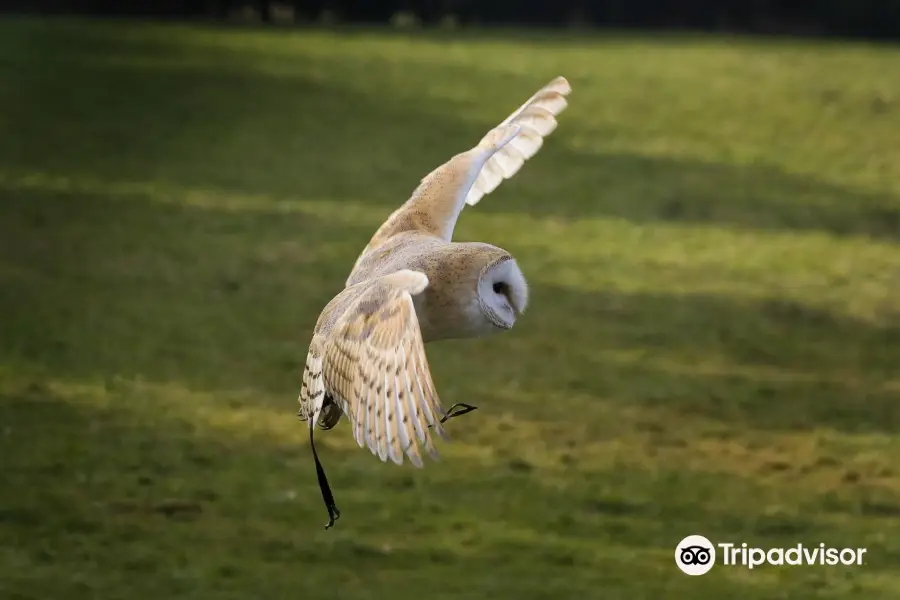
x,y
412,284
456,303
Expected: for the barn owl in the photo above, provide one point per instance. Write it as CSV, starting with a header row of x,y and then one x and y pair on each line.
x,y
412,285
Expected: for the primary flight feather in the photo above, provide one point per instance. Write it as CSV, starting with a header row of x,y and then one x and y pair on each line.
x,y
412,285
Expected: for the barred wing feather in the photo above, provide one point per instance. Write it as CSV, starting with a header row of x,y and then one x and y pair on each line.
x,y
376,368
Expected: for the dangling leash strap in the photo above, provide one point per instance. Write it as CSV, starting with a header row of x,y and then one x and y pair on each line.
x,y
327,496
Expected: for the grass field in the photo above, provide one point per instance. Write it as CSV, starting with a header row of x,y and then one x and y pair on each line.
x,y
712,237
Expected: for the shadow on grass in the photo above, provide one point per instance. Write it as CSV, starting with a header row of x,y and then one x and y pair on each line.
x,y
761,364
276,121
98,285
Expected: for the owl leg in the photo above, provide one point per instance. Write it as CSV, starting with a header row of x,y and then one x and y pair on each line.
x,y
327,496
466,408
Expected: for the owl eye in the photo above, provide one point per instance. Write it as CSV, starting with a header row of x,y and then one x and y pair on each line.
x,y
500,288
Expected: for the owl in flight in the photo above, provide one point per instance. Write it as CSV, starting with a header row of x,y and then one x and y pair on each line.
x,y
412,285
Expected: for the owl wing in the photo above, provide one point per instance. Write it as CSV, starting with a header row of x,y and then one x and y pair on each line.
x,y
435,204
374,366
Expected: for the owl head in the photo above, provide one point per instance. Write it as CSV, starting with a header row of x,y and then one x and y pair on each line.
x,y
475,289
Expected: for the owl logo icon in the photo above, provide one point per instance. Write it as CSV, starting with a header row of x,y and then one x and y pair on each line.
x,y
695,555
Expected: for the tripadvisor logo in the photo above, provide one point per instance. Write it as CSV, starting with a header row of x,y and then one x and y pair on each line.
x,y
696,555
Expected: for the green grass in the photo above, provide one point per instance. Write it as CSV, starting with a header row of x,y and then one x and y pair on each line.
x,y
712,237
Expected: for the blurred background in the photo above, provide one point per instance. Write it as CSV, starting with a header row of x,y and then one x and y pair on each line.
x,y
712,238
863,18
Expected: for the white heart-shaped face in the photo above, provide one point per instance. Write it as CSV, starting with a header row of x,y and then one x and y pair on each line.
x,y
502,293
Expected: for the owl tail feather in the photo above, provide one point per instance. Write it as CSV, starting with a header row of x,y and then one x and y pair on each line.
x,y
333,512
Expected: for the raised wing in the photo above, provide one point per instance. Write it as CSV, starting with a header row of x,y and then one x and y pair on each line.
x,y
374,365
537,118
436,203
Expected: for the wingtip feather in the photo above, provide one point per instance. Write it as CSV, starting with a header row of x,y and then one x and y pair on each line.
x,y
560,84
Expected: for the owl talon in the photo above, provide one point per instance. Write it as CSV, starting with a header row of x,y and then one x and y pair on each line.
x,y
466,408
333,515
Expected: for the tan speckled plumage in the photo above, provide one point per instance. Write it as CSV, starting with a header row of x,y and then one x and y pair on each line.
x,y
412,285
